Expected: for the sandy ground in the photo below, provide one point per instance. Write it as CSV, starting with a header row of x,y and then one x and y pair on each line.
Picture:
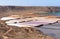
x,y
9,32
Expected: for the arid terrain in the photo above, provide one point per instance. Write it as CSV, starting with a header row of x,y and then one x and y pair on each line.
x,y
9,10
7,32
13,32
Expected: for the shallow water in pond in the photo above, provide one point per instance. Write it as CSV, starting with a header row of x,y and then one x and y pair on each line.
x,y
52,30
54,13
57,14
53,33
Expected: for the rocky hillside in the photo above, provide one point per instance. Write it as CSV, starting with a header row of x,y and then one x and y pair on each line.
x,y
31,8
12,10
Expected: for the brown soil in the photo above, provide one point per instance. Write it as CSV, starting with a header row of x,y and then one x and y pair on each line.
x,y
12,32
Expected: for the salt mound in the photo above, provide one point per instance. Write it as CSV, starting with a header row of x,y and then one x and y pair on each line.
x,y
10,17
16,20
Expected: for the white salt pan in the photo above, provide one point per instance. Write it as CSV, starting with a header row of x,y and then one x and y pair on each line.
x,y
7,18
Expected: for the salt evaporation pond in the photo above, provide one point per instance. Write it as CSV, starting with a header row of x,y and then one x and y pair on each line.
x,y
53,14
31,23
52,30
56,14
35,23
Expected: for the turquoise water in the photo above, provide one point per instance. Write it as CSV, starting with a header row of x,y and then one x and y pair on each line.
x,y
56,14
53,14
